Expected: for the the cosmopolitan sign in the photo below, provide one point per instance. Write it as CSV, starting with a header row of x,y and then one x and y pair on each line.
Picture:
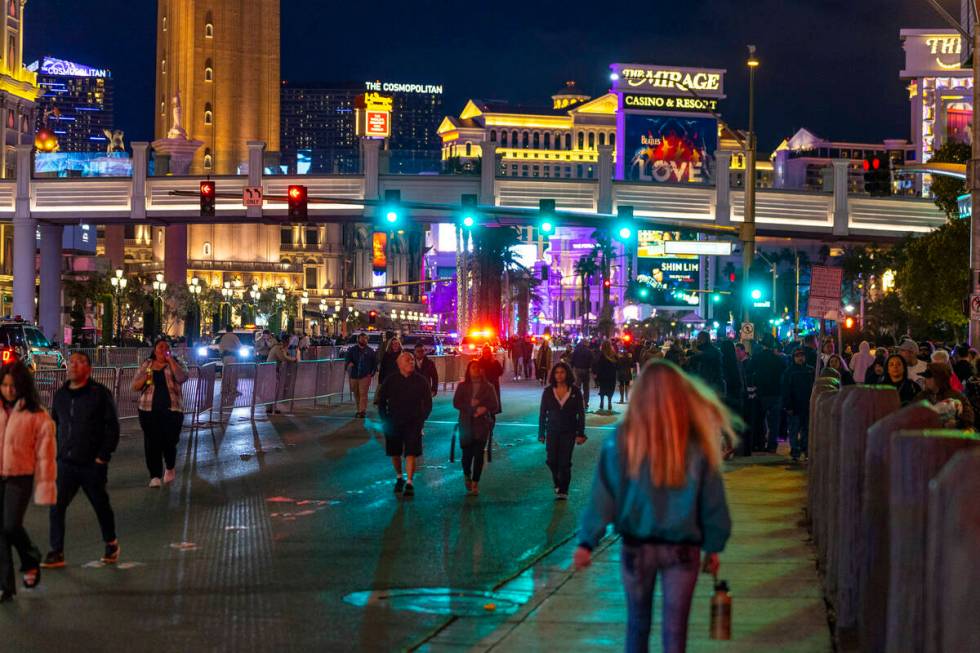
x,y
640,102
668,80
61,68
395,87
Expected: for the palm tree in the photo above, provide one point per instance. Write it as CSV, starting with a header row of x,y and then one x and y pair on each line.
x,y
604,251
586,268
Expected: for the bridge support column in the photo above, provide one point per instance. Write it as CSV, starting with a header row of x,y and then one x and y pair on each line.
x,y
50,299
115,245
841,222
175,254
604,201
488,173
723,190
25,239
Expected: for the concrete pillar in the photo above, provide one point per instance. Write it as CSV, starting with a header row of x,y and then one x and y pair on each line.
x,y
604,201
255,154
25,239
138,196
488,173
841,222
50,299
723,191
370,150
175,254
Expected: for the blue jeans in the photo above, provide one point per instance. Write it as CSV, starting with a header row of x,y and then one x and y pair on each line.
x,y
771,407
678,564
799,426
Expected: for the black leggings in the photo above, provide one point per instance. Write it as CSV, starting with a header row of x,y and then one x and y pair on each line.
x,y
161,432
15,495
473,459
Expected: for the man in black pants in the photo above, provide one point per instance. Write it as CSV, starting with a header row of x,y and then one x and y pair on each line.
x,y
582,360
88,432
404,403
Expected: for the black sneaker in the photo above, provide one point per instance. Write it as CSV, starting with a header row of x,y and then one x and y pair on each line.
x,y
54,560
409,490
111,555
399,485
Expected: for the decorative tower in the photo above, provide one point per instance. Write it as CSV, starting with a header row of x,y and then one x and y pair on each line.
x,y
222,58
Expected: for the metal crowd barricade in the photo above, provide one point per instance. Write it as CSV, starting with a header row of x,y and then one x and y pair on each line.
x,y
266,385
237,388
47,383
304,382
127,399
201,394
331,380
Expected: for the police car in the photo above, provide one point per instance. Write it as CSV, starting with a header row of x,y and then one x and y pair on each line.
x,y
23,340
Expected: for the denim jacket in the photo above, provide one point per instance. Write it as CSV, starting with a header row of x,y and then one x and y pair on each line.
x,y
696,513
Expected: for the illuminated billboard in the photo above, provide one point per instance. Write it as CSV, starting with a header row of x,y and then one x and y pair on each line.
x,y
62,68
668,80
670,149
673,280
373,115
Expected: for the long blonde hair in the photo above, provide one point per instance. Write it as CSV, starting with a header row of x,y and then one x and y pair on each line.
x,y
666,408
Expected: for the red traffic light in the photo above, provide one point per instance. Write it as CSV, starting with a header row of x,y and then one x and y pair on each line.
x,y
372,313
876,163
296,200
607,283
208,199
627,337
207,188
848,322
425,299
866,165
295,193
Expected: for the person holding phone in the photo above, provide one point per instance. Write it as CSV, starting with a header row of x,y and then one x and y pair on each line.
x,y
161,411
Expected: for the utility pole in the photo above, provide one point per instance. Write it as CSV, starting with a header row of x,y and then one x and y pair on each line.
x,y
973,180
748,222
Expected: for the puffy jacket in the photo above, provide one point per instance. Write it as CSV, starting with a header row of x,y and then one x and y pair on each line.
x,y
87,423
28,448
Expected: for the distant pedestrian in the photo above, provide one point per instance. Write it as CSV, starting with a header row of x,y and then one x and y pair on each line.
x,y
27,462
896,370
388,364
425,367
582,360
658,481
476,401
279,354
263,343
954,407
528,358
835,362
624,373
161,411
517,356
303,346
360,362
492,370
543,361
87,425
876,374
861,361
909,350
797,386
605,375
561,426
404,403
764,371
706,363
230,346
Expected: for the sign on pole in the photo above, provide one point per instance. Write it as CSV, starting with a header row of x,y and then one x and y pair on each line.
x,y
252,196
825,292
975,307
747,332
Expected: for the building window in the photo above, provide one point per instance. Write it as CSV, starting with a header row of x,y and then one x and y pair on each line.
x,y
163,66
12,8
602,138
536,140
591,140
469,148
513,139
209,31
525,139
208,71
312,236
207,249
612,139
504,135
208,114
568,141
547,141
286,236
208,159
163,107
164,23
311,278
493,135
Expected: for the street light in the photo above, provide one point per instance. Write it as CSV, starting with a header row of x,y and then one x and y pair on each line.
x,y
194,287
118,287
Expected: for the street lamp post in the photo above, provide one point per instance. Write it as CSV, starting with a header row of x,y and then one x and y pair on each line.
x,y
228,294
748,224
304,299
159,287
194,287
255,294
118,287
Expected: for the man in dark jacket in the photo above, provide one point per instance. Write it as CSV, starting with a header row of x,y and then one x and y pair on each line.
x,y
404,403
582,359
360,361
88,432
797,385
425,367
765,373
492,370
706,363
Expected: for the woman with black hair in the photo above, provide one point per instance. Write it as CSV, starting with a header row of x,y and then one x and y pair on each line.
x,y
476,401
561,425
27,461
897,372
161,411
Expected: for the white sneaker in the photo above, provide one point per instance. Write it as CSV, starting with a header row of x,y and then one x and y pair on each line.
x,y
169,476
155,482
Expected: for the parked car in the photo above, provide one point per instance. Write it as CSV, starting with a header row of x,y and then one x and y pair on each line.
x,y
433,345
211,353
375,338
24,340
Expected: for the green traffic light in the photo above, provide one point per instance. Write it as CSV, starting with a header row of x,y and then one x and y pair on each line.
x,y
625,233
644,292
391,217
547,227
716,298
756,294
468,221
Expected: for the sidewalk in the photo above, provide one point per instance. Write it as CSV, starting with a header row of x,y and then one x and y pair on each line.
x,y
777,604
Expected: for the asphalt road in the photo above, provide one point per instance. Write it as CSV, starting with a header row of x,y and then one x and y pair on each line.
x,y
270,526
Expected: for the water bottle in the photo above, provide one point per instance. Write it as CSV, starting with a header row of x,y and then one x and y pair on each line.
x,y
721,612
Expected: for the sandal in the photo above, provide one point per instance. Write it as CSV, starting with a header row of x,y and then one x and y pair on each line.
x,y
32,577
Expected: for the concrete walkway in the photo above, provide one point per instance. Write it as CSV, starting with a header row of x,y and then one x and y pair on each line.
x,y
777,605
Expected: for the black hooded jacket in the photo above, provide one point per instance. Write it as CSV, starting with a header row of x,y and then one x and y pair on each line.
x,y
87,423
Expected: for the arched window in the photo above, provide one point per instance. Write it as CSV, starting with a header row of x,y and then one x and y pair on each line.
x,y
602,138
525,139
505,135
568,141
163,66
547,141
208,159
536,140
209,26
208,71
163,107
207,249
208,114
581,140
469,148
164,23
591,140
493,135
612,138
514,142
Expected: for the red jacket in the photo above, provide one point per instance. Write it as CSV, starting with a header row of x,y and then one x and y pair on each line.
x,y
28,448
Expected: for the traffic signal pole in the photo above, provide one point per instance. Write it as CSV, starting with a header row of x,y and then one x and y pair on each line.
x,y
973,181
747,235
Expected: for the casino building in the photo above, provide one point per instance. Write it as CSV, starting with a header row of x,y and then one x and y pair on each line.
x,y
77,104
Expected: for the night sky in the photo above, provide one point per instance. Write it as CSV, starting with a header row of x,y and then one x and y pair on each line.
x,y
829,65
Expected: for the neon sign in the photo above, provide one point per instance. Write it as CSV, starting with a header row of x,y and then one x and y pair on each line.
x,y
62,68
668,103
373,115
393,87
669,80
